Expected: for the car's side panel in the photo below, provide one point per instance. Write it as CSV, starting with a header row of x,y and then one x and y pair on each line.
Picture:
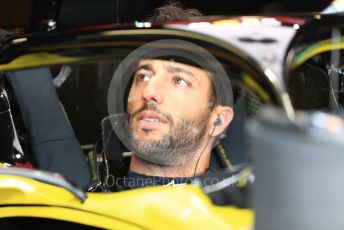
x,y
174,207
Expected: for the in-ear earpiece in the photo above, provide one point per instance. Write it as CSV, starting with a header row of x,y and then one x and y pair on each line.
x,y
217,121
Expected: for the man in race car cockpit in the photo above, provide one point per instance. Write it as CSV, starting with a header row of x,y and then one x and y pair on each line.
x,y
177,104
175,112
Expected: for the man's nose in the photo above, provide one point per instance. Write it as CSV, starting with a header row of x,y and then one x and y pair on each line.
x,y
153,91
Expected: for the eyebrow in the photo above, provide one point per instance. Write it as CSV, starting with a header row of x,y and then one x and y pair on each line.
x,y
148,67
174,69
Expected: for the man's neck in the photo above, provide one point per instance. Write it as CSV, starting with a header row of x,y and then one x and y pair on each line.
x,y
186,170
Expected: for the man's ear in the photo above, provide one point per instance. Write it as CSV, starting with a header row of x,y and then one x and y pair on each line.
x,y
224,114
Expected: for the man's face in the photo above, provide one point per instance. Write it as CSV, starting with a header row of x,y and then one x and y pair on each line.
x,y
168,107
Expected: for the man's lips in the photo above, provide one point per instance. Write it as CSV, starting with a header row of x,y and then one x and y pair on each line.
x,y
150,116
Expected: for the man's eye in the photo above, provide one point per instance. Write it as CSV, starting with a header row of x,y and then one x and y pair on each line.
x,y
181,82
143,77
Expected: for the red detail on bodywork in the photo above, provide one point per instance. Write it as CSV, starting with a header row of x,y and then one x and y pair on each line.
x,y
26,164
292,20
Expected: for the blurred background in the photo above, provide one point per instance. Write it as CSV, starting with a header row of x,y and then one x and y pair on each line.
x,y
39,15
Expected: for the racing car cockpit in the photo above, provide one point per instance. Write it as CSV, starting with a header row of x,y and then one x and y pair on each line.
x,y
67,89
82,84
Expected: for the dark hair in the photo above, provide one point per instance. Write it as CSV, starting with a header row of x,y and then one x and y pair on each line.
x,y
173,11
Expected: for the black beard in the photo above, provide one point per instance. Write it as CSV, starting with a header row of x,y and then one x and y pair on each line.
x,y
175,148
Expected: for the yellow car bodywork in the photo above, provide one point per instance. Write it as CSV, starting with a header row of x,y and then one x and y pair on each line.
x,y
163,207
